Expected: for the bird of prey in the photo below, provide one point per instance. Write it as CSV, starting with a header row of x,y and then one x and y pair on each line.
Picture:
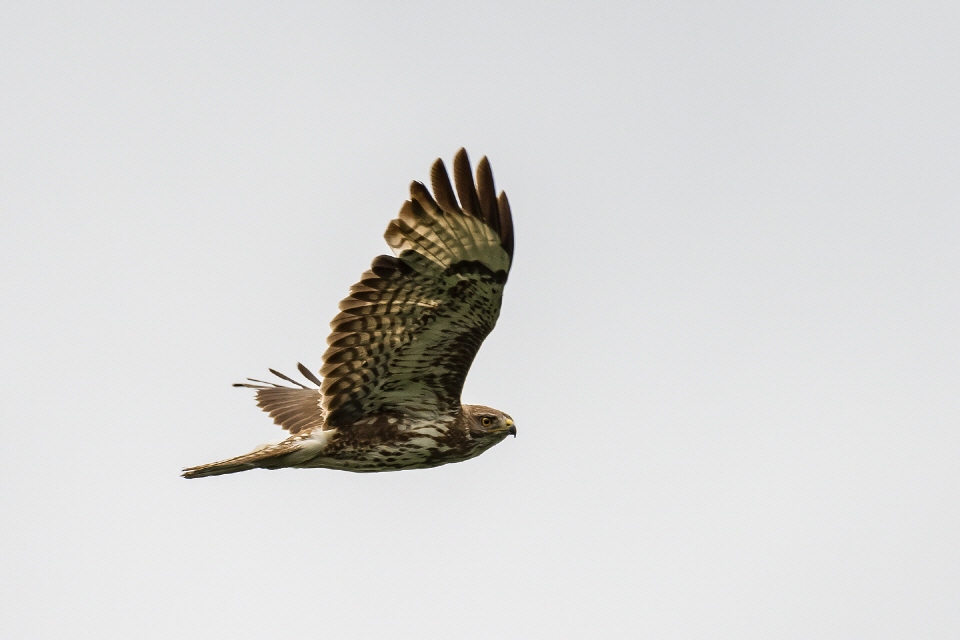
x,y
402,344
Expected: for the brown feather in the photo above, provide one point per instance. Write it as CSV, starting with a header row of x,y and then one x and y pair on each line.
x,y
506,224
308,374
488,195
420,195
287,378
442,189
463,178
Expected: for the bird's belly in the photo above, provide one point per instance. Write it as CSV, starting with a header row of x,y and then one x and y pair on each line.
x,y
418,452
381,458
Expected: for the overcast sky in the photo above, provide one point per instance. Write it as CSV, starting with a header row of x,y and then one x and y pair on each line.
x,y
730,340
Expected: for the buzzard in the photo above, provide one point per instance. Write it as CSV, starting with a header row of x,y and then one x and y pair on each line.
x,y
402,344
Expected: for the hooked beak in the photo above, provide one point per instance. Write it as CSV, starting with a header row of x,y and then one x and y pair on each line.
x,y
511,428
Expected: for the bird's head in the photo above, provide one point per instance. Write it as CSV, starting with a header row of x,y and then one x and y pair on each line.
x,y
485,422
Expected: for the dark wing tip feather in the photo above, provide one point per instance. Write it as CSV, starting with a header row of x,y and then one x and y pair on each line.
x,y
506,224
488,195
420,195
442,189
463,178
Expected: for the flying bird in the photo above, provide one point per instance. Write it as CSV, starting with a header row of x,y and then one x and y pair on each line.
x,y
388,394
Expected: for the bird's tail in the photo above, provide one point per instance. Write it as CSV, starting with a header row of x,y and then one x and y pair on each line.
x,y
274,456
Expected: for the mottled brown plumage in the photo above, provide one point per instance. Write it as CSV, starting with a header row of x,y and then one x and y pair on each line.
x,y
403,342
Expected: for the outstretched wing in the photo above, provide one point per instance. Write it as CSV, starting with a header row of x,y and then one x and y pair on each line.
x,y
295,409
407,334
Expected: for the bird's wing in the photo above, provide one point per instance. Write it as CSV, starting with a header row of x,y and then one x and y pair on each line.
x,y
408,332
295,409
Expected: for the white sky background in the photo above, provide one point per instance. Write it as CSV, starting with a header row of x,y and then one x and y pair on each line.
x,y
731,337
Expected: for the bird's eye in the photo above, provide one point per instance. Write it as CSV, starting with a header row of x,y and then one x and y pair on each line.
x,y
486,421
